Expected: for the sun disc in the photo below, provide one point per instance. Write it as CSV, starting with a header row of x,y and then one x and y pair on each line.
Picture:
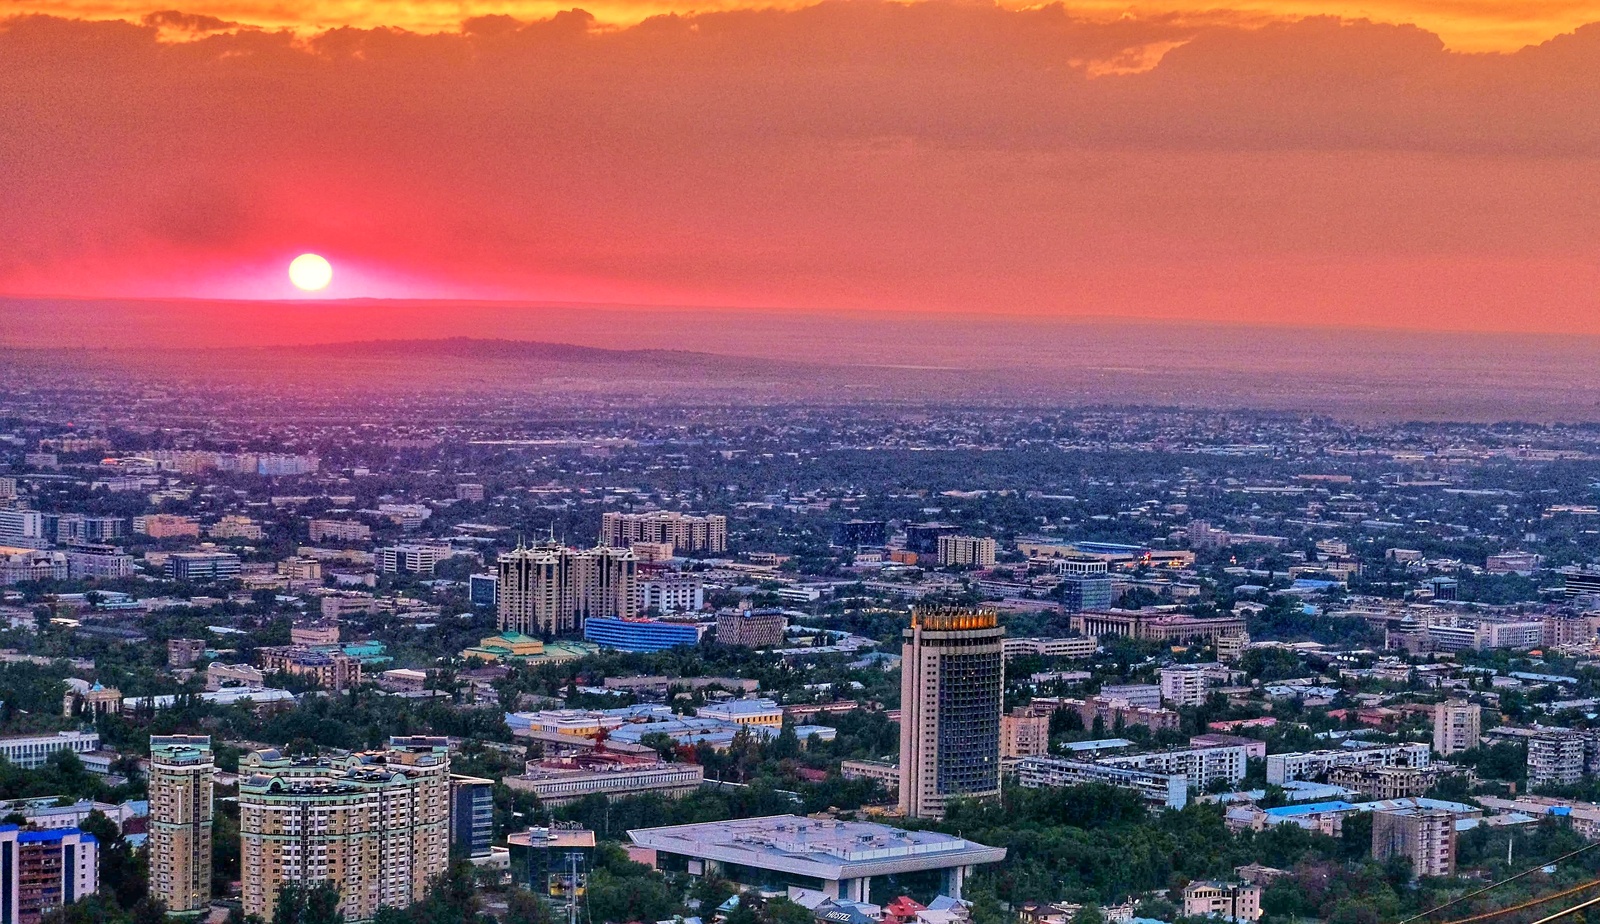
x,y
310,273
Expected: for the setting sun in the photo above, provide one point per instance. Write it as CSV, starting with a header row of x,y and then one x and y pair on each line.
x,y
310,273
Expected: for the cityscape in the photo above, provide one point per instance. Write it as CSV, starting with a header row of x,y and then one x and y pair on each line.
x,y
799,462
866,663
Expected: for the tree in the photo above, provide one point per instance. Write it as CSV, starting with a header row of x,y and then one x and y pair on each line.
x,y
523,907
299,903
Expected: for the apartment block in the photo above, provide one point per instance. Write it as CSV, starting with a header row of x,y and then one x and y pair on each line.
x,y
1456,727
1023,734
751,628
193,567
683,532
1230,901
1425,837
41,871
181,771
166,526
331,670
376,824
1305,765
551,590
341,530
410,559
670,593
967,551
1555,758
30,752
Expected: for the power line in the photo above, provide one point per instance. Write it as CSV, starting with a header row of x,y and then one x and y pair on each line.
x,y
1495,885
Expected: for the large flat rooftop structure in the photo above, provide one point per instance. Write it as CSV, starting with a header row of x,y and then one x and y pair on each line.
x,y
838,858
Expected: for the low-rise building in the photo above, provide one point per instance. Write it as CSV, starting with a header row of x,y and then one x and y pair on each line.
x,y
1231,901
744,712
331,670
30,752
559,780
838,858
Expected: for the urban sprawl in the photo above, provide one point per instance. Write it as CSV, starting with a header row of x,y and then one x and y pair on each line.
x,y
437,659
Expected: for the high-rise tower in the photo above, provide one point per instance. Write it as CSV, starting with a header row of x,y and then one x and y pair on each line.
x,y
375,824
952,693
180,822
551,590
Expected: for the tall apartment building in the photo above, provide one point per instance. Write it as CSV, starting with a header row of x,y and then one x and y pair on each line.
x,y
41,871
964,551
1555,758
180,822
952,695
551,590
1426,837
1456,727
1023,734
376,824
684,532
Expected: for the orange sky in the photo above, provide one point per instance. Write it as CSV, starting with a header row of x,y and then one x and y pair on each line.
x,y
1234,164
1465,25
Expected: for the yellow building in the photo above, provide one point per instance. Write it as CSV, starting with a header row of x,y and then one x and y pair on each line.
x,y
180,822
507,646
375,824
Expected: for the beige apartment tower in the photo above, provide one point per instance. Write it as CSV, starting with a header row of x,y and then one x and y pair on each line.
x,y
181,768
952,693
1456,727
683,532
549,590
376,824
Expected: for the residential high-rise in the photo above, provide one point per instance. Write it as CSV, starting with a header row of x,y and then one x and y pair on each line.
x,y
551,590
1456,727
180,822
45,870
375,824
1024,734
977,551
683,532
1426,837
952,687
1555,758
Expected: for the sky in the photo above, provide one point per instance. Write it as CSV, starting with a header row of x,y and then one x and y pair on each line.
x,y
1429,166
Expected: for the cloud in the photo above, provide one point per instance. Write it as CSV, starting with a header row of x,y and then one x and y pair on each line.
x,y
936,154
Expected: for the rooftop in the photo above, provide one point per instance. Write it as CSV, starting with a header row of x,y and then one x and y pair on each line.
x,y
829,850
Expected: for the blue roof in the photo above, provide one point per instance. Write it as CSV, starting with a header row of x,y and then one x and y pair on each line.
x,y
53,834
1310,808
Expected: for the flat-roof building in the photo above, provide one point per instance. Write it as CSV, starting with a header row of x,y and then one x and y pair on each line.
x,y
837,858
